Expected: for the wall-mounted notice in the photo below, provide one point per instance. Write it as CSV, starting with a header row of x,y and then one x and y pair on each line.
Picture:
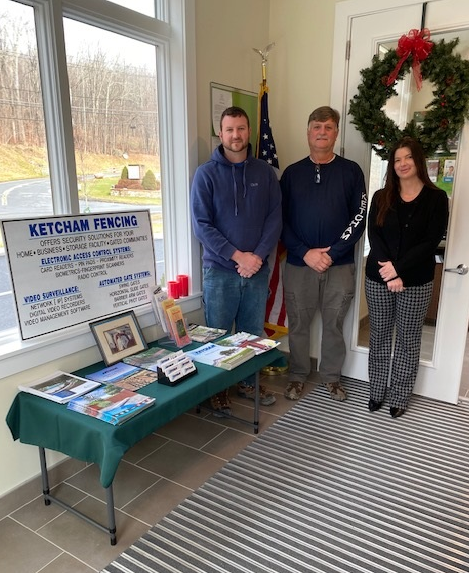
x,y
68,270
226,96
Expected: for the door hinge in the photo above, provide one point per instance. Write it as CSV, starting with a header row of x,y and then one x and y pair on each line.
x,y
348,46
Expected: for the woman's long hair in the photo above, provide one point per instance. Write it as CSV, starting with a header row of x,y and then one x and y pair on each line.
x,y
392,184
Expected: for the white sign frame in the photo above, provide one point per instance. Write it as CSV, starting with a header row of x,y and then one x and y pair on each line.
x,y
71,269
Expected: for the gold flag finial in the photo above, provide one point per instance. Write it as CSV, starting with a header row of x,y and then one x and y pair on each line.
x,y
264,55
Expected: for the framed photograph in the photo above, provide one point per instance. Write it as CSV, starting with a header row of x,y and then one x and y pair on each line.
x,y
118,337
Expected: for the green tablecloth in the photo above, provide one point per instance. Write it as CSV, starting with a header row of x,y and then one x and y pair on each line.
x,y
40,422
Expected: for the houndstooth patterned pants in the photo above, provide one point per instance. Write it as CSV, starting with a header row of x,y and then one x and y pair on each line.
x,y
402,313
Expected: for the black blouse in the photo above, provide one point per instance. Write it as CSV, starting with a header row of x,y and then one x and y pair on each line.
x,y
409,237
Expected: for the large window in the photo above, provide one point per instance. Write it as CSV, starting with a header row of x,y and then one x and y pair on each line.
x,y
143,6
93,104
25,188
114,106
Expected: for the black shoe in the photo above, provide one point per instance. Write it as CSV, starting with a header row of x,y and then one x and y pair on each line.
x,y
396,412
373,405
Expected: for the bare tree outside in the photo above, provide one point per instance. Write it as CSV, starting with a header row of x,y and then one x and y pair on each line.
x,y
114,104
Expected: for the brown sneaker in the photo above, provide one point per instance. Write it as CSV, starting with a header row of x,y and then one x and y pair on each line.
x,y
221,404
266,398
293,390
336,391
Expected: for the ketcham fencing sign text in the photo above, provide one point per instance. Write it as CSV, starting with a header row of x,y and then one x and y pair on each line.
x,y
72,269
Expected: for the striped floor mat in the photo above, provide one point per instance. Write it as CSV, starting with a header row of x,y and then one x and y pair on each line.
x,y
328,488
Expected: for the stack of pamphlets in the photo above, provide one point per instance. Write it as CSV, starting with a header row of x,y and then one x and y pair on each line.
x,y
60,387
246,340
227,357
175,368
158,295
125,375
111,404
203,334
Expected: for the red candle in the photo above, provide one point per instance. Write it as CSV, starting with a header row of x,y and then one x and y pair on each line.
x,y
173,289
183,281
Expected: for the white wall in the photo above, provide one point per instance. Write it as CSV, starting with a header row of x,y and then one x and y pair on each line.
x,y
299,77
227,32
299,74
298,68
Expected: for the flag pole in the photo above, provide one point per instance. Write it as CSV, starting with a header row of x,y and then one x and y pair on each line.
x,y
264,89
275,322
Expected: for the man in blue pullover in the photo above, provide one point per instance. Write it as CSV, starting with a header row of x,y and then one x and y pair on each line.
x,y
237,216
324,212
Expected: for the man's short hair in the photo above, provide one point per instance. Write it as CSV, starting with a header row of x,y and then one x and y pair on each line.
x,y
234,112
324,113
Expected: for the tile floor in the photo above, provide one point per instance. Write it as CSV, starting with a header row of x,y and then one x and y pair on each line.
x,y
154,476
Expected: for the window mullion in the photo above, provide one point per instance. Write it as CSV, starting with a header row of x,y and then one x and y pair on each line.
x,y
57,112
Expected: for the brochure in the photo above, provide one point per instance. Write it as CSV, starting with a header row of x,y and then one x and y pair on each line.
x,y
246,340
111,404
200,333
153,358
138,380
178,326
113,373
60,387
227,357
157,297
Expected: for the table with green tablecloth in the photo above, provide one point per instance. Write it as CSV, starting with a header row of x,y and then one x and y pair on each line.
x,y
49,425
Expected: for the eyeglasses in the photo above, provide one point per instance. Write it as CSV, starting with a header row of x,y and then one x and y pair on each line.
x,y
317,176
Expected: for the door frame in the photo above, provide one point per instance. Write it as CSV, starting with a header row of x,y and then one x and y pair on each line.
x,y
359,151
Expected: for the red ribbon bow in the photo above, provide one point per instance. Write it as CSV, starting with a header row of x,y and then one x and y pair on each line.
x,y
416,43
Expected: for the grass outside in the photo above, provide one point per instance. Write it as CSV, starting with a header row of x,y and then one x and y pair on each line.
x,y
28,162
18,162
100,190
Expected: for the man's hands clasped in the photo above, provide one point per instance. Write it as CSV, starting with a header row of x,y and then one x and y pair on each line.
x,y
318,259
247,264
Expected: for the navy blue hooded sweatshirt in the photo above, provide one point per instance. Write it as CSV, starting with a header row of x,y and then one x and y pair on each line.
x,y
235,206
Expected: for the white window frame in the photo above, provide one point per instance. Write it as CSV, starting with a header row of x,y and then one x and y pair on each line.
x,y
174,33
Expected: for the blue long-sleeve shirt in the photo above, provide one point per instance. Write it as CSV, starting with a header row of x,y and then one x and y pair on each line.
x,y
235,207
331,213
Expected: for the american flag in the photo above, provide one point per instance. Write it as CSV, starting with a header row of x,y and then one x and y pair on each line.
x,y
265,142
275,317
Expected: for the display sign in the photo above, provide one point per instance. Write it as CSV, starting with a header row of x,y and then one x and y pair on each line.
x,y
68,270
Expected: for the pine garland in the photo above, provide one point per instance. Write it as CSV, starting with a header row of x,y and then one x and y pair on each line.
x,y
446,112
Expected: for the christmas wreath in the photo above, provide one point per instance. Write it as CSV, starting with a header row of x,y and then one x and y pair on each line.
x,y
448,72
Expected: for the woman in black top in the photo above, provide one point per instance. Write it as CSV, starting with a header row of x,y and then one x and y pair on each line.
x,y
407,221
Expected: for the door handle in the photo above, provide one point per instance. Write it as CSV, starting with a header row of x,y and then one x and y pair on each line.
x,y
460,270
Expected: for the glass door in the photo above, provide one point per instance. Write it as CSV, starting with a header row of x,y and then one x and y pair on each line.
x,y
445,334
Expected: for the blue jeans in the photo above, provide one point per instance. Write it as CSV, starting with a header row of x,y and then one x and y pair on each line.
x,y
231,299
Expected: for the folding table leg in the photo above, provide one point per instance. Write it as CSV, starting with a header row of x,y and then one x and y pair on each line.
x,y
49,498
257,403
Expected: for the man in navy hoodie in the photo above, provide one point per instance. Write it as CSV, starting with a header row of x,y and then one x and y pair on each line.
x,y
237,216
